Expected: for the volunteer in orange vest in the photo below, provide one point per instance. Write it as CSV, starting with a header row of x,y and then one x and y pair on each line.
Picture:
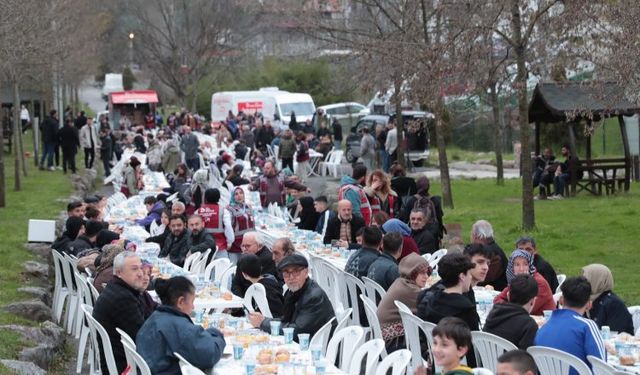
x,y
241,221
351,189
380,195
217,221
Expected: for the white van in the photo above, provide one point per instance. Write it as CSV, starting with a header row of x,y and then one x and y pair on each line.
x,y
112,83
270,101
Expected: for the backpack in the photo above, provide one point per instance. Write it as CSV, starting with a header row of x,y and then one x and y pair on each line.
x,y
426,204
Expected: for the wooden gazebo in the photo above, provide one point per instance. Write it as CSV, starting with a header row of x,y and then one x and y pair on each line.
x,y
572,103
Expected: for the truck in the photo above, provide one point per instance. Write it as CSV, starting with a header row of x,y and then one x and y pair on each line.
x,y
273,103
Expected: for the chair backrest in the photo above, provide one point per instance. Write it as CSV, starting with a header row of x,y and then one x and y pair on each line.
x,y
373,290
402,307
216,268
191,259
635,315
355,287
322,336
489,347
125,337
335,282
396,362
436,256
187,368
343,343
561,278
67,269
426,256
600,367
555,362
153,228
198,267
482,371
94,292
343,319
135,360
371,349
57,263
372,316
412,326
256,292
227,276
104,344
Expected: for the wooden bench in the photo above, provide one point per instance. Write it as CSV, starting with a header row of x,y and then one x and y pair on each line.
x,y
599,175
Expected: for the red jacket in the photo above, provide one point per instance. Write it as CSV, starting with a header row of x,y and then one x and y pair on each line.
x,y
408,246
544,299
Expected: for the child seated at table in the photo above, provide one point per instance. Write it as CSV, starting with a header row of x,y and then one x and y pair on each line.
x,y
451,342
516,362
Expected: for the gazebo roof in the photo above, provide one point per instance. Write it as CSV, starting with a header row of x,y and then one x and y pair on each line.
x,y
560,102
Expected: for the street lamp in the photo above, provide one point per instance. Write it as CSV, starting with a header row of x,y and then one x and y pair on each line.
x,y
131,36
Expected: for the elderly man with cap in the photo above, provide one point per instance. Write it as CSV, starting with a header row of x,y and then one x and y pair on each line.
x,y
306,306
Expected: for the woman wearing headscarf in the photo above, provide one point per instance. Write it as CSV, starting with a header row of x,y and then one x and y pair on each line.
x,y
607,309
199,184
414,272
307,214
521,262
408,244
242,221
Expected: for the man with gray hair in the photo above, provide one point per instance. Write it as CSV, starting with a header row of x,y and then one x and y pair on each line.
x,y
178,208
120,304
482,233
252,244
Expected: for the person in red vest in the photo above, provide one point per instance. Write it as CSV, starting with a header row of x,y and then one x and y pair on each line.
x,y
242,221
380,195
351,190
273,185
217,221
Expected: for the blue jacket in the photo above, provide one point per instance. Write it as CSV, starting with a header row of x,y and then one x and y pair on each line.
x,y
566,330
384,270
153,215
359,262
609,310
351,195
167,331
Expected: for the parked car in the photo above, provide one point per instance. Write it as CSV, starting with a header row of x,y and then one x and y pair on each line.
x,y
346,113
418,143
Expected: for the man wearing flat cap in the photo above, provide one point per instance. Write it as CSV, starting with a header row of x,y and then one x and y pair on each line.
x,y
306,306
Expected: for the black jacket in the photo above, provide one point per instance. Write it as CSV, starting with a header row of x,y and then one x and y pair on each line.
x,y
61,244
404,187
49,130
513,323
239,284
360,261
68,139
546,270
119,306
426,241
337,131
497,274
333,229
201,242
79,245
310,307
435,304
274,294
384,270
176,248
437,225
159,239
106,147
609,310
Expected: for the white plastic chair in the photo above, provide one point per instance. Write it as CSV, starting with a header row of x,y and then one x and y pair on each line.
x,y
227,276
635,315
343,319
561,278
372,317
481,371
426,256
489,347
198,267
436,256
322,336
373,290
135,360
402,307
396,362
84,331
103,345
343,343
191,259
555,362
256,292
125,337
556,298
332,164
372,350
60,292
153,228
187,368
601,367
68,264
412,327
355,287
216,268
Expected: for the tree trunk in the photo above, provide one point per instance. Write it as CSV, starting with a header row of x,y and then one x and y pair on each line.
x,y
445,180
399,124
495,106
3,185
528,214
19,145
17,185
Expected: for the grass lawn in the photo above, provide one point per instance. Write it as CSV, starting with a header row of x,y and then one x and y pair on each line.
x,y
571,233
36,200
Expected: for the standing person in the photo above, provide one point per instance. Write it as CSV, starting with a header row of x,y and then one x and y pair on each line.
x,y
391,144
170,330
405,187
189,145
24,118
273,186
302,158
336,127
381,138
380,195
49,129
132,178
367,148
217,221
106,150
69,141
287,149
351,189
241,221
89,141
293,123
80,121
